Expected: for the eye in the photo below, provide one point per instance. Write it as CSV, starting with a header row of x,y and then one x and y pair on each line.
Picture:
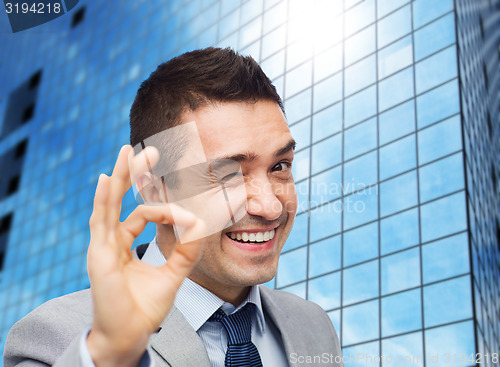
x,y
232,178
281,166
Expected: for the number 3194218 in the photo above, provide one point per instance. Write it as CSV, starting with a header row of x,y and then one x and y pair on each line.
x,y
36,8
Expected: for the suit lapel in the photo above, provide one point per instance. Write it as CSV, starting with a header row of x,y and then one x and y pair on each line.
x,y
178,343
286,320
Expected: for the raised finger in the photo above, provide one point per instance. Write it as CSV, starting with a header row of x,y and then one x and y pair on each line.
x,y
119,184
97,222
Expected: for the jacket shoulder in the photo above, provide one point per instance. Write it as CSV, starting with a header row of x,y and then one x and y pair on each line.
x,y
286,300
46,332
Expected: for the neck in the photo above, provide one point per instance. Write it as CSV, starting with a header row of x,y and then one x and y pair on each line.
x,y
230,294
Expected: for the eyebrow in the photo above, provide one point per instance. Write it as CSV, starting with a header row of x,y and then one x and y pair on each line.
x,y
251,157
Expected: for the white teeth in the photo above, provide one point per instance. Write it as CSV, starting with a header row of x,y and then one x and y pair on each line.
x,y
253,237
266,236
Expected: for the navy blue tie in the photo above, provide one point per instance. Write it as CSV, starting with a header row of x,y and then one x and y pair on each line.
x,y
241,352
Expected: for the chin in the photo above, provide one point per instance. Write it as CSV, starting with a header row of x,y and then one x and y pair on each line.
x,y
257,274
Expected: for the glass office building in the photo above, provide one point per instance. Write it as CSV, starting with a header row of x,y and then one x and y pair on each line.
x,y
395,108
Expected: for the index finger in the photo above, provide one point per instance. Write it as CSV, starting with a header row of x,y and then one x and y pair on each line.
x,y
118,186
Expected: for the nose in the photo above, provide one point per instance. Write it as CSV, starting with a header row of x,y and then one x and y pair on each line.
x,y
262,200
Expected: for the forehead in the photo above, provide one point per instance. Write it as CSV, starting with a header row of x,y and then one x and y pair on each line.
x,y
232,128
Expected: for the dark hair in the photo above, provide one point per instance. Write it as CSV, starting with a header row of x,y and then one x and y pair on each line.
x,y
195,79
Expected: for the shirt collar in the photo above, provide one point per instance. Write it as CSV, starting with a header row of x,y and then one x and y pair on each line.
x,y
196,303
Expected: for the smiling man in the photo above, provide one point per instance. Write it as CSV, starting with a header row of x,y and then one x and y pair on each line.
x,y
206,305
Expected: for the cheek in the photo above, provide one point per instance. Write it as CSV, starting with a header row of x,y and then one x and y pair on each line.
x,y
287,195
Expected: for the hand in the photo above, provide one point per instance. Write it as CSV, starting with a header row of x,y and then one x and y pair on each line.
x,y
131,298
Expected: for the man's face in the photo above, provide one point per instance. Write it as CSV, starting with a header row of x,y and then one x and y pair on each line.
x,y
257,136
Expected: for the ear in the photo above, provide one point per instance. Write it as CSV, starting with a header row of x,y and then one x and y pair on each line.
x,y
151,189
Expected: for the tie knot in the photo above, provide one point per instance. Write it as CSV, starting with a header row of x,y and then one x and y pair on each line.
x,y
238,325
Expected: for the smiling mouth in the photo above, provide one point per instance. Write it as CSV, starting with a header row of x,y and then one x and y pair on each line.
x,y
252,237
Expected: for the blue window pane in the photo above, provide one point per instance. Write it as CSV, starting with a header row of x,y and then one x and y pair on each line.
x,y
360,244
274,16
325,291
360,139
394,26
401,313
298,79
327,92
456,339
292,267
445,258
360,282
431,144
399,231
302,189
368,350
438,104
397,122
404,350
444,216
298,235
360,173
359,45
398,193
400,271
325,220
360,323
359,75
326,186
436,69
434,37
424,11
398,157
274,66
395,89
360,106
447,301
395,57
384,7
297,289
250,32
326,154
327,122
324,256
359,16
297,53
360,208
300,167
301,132
298,106
441,177
276,40
327,63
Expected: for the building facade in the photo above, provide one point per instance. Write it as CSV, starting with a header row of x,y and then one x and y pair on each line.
x,y
395,108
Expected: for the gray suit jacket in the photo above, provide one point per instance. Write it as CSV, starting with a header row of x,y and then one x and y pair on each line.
x,y
50,334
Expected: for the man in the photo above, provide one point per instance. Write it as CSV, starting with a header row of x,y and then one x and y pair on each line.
x,y
205,306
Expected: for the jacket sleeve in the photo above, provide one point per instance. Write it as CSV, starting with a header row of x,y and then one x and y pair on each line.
x,y
50,333
35,341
